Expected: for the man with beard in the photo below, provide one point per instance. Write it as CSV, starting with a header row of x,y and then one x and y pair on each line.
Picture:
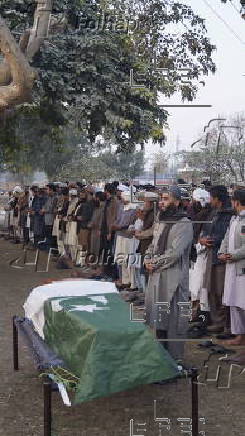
x,y
83,215
49,211
167,261
145,235
214,278
37,219
232,253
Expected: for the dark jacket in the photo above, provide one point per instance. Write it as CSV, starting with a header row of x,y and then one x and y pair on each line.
x,y
220,222
63,213
85,210
38,220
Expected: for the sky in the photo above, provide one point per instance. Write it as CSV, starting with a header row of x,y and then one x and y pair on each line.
x,y
225,90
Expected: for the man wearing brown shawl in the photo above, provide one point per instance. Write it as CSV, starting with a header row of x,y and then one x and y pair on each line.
x,y
168,265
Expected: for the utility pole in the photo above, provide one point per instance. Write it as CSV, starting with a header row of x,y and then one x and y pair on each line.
x,y
155,176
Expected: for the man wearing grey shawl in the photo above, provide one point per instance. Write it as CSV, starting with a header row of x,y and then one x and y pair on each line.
x,y
167,261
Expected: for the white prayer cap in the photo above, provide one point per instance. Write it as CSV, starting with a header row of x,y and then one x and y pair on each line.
x,y
130,206
202,196
17,189
123,188
73,192
151,196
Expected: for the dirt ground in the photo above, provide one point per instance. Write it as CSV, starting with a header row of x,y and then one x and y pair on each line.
x,y
21,407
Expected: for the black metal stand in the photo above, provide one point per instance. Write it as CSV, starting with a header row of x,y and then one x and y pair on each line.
x,y
47,406
194,402
15,346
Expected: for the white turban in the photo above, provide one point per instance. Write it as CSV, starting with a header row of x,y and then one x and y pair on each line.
x,y
151,196
73,192
202,196
123,188
17,189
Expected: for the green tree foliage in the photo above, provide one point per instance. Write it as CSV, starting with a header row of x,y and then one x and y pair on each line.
x,y
104,166
84,67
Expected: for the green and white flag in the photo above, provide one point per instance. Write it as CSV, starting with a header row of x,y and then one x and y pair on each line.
x,y
100,345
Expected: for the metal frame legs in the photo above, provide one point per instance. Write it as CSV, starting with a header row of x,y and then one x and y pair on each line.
x,y
47,384
47,389
194,402
47,406
15,345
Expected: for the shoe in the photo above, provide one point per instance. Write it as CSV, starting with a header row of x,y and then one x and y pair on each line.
x,y
196,331
131,297
123,286
165,382
206,344
238,360
225,336
215,329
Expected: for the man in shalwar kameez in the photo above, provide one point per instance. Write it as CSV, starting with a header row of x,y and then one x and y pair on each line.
x,y
126,218
167,261
232,252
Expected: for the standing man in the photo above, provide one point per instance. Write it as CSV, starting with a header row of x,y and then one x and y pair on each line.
x,y
127,218
232,254
49,211
145,236
111,210
167,261
214,278
37,218
83,215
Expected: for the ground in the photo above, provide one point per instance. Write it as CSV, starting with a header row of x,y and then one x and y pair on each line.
x,y
21,405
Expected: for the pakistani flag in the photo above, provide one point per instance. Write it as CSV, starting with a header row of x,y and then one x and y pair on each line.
x,y
109,353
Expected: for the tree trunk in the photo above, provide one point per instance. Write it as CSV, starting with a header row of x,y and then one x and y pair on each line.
x,y
5,74
23,76
16,75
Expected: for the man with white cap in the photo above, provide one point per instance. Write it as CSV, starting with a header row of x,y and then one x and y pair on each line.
x,y
145,235
59,225
201,209
70,226
127,217
14,216
232,253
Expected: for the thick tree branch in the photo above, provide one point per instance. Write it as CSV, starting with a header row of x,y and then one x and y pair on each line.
x,y
5,74
23,76
30,41
40,27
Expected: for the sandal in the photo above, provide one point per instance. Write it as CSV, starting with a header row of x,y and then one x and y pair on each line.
x,y
196,331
